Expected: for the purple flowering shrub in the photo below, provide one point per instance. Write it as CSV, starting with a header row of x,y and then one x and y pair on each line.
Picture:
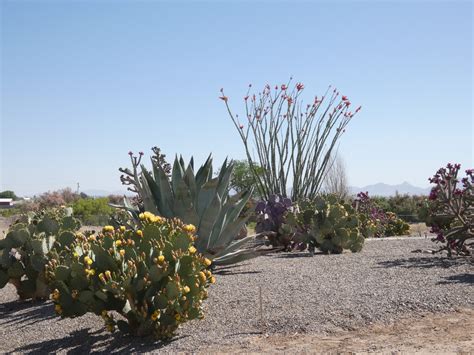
x,y
271,219
451,209
375,222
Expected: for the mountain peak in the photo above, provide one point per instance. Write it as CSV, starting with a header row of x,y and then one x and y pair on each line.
x,y
382,189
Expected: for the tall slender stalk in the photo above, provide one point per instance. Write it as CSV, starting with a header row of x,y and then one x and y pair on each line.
x,y
292,142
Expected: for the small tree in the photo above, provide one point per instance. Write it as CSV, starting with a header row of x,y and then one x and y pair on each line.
x,y
8,194
242,177
292,142
335,182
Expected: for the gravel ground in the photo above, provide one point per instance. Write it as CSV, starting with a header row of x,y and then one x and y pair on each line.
x,y
300,294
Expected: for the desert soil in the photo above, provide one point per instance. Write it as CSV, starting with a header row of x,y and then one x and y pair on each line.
x,y
384,299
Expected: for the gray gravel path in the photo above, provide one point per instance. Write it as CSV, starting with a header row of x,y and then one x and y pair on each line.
x,y
300,295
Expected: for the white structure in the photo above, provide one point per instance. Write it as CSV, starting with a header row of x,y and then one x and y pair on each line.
x,y
6,202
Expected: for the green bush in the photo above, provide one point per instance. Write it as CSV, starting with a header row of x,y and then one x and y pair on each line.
x,y
154,277
406,207
93,211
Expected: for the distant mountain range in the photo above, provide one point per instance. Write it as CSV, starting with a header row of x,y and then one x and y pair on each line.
x,y
381,189
101,193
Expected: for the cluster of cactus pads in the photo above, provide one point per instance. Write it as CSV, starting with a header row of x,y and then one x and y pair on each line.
x,y
24,250
153,277
325,223
335,227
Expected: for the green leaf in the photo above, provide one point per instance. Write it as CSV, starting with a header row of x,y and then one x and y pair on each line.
x,y
38,262
66,238
48,225
17,238
172,291
62,273
156,273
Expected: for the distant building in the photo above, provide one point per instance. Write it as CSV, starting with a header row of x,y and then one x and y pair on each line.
x,y
6,202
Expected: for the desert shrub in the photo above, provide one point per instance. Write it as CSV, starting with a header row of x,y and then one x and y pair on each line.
x,y
405,206
450,210
25,249
327,223
58,198
293,142
153,277
93,211
375,222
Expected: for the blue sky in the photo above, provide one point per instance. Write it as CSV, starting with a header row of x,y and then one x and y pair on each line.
x,y
82,83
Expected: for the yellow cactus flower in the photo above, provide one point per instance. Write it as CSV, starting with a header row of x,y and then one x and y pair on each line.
x,y
90,272
122,252
122,228
108,274
202,276
189,228
92,238
161,258
141,216
88,260
192,250
75,255
186,289
102,277
140,233
155,315
118,243
55,294
207,262
212,280
108,229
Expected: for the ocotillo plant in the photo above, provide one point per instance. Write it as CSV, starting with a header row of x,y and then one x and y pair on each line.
x,y
292,141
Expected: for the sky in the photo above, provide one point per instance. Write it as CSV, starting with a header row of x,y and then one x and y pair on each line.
x,y
84,82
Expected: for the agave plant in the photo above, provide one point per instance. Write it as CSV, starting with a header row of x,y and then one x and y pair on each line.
x,y
199,199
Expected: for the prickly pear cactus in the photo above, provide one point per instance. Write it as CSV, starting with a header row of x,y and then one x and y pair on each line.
x,y
335,227
24,250
154,277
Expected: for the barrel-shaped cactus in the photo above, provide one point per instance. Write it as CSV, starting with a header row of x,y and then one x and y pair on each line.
x,y
153,276
24,250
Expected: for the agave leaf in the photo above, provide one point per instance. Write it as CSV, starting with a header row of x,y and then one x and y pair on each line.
x,y
189,180
240,255
204,173
206,195
160,191
224,178
244,243
183,203
176,174
208,220
228,235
